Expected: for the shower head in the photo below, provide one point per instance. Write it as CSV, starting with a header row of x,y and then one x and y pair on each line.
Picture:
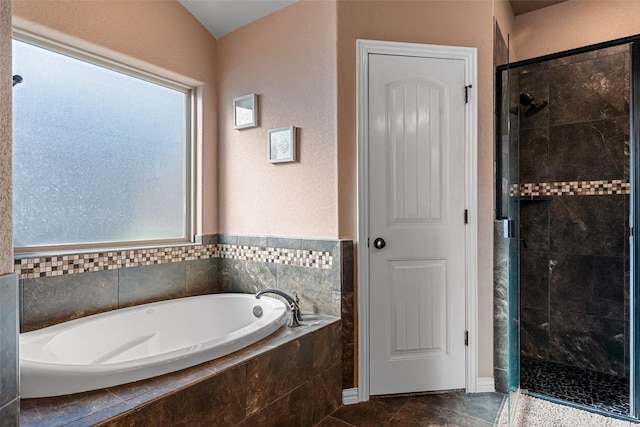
x,y
16,79
535,108
527,100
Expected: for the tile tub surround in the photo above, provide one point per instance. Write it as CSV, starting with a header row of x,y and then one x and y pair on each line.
x,y
320,271
292,377
9,402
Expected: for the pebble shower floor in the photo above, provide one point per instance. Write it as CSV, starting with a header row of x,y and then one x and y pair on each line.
x,y
591,389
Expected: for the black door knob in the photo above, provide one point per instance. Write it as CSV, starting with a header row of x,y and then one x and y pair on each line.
x,y
379,243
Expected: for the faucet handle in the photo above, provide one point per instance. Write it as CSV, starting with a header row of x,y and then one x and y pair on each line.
x,y
295,296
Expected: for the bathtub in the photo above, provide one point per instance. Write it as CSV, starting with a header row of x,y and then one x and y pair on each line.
x,y
140,342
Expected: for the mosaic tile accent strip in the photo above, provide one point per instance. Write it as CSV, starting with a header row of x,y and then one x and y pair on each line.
x,y
573,188
302,258
30,268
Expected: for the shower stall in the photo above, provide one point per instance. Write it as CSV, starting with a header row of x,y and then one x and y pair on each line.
x,y
565,171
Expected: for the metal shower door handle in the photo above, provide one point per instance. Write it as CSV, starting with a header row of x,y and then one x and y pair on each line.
x,y
379,243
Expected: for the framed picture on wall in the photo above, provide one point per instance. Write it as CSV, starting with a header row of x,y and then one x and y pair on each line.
x,y
245,111
282,145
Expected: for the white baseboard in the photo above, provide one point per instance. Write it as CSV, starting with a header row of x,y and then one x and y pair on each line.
x,y
485,385
350,396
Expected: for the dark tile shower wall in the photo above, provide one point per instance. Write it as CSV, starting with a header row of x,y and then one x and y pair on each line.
x,y
574,251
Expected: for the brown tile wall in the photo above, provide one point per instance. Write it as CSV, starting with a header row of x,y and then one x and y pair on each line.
x,y
292,378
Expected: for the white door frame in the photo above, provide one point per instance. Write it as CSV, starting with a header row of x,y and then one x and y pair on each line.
x,y
469,56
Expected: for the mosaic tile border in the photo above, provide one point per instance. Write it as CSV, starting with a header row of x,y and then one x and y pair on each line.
x,y
30,268
573,188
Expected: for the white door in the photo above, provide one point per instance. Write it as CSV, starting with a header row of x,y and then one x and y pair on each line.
x,y
417,205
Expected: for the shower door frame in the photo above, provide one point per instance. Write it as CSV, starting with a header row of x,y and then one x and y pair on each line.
x,y
634,205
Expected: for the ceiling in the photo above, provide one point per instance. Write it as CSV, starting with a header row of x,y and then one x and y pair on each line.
x,y
221,17
523,6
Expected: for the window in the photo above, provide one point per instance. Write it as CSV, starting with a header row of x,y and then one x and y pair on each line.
x,y
102,152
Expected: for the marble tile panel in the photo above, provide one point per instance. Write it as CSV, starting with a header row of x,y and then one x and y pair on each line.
x,y
375,412
333,422
326,393
501,380
587,90
572,59
594,150
292,409
327,348
259,241
9,325
319,245
227,239
202,277
50,300
283,242
534,154
534,280
416,413
277,372
314,286
534,225
588,342
348,267
588,285
526,69
101,417
200,404
348,316
500,344
500,298
500,247
588,225
614,50
10,413
61,410
150,283
246,276
209,239
348,365
483,406
534,333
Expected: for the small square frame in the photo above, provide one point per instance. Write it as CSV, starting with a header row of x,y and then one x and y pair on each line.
x,y
281,146
245,111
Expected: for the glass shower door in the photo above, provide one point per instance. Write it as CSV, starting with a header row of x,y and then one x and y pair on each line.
x,y
508,212
513,233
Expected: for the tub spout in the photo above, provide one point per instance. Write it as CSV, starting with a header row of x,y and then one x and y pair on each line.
x,y
296,317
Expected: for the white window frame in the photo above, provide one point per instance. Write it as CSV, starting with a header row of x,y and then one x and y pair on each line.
x,y
192,114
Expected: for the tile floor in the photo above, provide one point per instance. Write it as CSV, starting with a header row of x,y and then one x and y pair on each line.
x,y
451,409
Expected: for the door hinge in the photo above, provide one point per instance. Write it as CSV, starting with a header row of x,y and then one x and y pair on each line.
x,y
466,216
368,242
466,338
466,93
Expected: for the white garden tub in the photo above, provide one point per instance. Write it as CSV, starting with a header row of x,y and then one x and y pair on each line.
x,y
144,341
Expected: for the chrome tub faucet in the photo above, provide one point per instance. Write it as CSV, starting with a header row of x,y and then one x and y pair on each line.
x,y
296,317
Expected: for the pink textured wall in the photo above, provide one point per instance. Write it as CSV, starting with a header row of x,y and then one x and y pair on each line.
x,y
289,59
573,24
161,36
6,211
458,23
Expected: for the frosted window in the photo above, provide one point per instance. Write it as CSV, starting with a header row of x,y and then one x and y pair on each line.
x,y
99,156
